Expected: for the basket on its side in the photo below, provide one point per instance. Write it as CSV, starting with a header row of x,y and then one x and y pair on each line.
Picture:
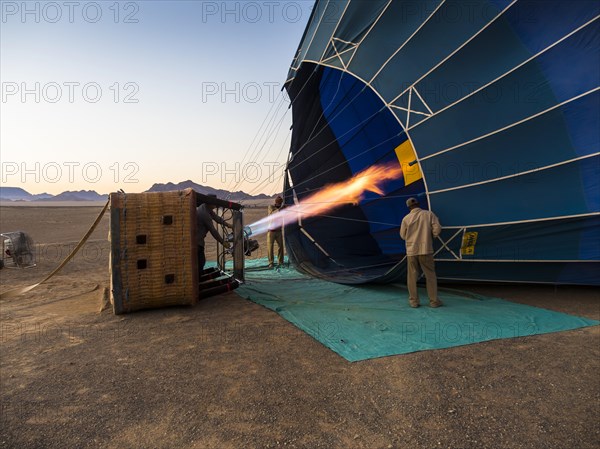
x,y
153,250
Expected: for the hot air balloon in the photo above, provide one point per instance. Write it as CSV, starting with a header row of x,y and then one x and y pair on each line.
x,y
492,110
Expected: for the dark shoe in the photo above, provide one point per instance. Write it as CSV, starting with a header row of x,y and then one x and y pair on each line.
x,y
435,304
270,265
414,303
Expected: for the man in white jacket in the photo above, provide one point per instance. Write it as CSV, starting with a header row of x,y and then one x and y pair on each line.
x,y
418,229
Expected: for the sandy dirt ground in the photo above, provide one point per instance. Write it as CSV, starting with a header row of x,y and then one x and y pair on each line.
x,y
231,374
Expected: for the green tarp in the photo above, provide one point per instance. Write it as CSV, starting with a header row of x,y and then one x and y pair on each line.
x,y
374,321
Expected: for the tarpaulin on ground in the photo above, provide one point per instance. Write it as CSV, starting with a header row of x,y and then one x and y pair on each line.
x,y
369,321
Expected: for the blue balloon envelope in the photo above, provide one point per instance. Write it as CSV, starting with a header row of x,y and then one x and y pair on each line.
x,y
491,108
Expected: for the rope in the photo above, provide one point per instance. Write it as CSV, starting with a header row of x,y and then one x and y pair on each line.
x,y
310,138
362,267
270,134
395,225
278,176
274,115
340,164
258,132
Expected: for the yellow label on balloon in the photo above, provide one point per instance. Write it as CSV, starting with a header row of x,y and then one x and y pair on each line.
x,y
468,243
406,155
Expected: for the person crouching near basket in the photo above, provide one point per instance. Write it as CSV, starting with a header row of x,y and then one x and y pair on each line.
x,y
205,216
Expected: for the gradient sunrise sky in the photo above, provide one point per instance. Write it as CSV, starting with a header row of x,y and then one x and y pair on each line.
x,y
109,95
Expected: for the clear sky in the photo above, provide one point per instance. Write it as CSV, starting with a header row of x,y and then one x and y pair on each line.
x,y
108,95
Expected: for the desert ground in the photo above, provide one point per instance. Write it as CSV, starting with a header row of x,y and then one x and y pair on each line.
x,y
228,373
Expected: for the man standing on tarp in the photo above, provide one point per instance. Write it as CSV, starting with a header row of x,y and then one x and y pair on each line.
x,y
205,216
275,234
418,229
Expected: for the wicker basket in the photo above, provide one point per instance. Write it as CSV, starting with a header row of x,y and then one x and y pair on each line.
x,y
153,260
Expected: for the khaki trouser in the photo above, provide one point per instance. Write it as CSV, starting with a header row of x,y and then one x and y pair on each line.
x,y
427,265
272,237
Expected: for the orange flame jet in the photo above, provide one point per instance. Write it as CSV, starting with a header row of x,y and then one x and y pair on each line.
x,y
331,197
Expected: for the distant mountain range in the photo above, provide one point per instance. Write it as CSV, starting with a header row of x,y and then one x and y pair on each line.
x,y
233,196
19,194
81,195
